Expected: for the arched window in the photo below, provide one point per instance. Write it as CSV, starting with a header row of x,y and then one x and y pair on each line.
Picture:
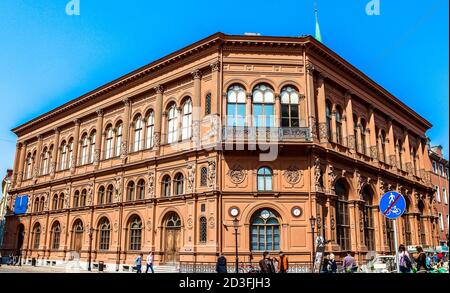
x,y
173,220
105,232
29,166
84,149
263,106
56,235
363,137
135,227
328,118
186,123
70,154
83,198
204,176
118,138
37,236
137,133
236,101
342,215
264,179
131,191
150,126
383,146
208,104
36,205
203,230
41,204
390,235
172,124
61,201
369,229
141,189
55,202
109,193
290,99
265,231
45,159
109,143
77,235
63,159
178,184
339,139
92,146
101,195
407,223
421,221
166,182
76,199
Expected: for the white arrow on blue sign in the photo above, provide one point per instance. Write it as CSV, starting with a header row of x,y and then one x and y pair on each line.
x,y
392,205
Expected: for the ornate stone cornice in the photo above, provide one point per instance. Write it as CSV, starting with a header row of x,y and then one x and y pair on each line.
x,y
99,113
196,74
215,66
159,89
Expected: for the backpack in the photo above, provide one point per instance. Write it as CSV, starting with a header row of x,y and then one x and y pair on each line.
x,y
407,261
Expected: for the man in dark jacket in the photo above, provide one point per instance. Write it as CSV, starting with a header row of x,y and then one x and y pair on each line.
x,y
221,266
266,264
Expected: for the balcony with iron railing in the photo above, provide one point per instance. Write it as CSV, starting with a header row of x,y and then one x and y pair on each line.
x,y
265,134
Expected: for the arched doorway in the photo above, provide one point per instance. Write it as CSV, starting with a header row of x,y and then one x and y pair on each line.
x,y
265,231
77,236
342,214
172,238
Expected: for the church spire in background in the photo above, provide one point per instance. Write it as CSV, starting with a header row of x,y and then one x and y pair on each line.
x,y
318,36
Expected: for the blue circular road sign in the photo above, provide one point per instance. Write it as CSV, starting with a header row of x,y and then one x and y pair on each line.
x,y
392,205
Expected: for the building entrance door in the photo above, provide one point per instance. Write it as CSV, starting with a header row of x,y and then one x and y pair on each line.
x,y
172,231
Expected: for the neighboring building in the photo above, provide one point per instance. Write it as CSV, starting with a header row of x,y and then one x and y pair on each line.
x,y
6,184
439,179
270,131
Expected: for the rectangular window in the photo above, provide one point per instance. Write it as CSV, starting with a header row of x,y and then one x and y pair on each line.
x,y
441,169
438,193
434,167
441,222
444,195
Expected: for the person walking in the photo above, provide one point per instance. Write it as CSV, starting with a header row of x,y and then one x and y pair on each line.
x,y
349,263
266,264
421,260
332,264
149,262
404,260
138,263
283,263
221,265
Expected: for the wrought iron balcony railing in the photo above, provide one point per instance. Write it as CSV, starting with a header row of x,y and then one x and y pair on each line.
x,y
267,134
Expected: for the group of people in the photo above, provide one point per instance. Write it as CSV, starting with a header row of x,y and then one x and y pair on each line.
x,y
148,263
267,264
11,261
423,263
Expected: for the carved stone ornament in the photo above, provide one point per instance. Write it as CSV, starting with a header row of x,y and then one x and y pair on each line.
x,y
393,161
333,223
293,175
237,174
149,225
29,204
323,132
351,142
118,188
191,177
215,66
52,169
361,182
212,222
310,68
373,152
123,150
46,201
90,194
212,174
116,226
317,173
96,156
189,223
331,176
151,184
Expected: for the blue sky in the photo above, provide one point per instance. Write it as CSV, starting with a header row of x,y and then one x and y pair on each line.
x,y
48,58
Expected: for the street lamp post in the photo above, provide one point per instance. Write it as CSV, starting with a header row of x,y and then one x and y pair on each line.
x,y
312,220
236,225
91,230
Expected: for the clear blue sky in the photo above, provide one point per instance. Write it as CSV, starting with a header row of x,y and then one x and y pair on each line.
x,y
48,58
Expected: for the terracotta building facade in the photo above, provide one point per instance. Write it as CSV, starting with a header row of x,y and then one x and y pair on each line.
x,y
259,132
439,179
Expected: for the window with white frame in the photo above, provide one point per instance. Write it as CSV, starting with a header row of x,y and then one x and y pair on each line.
x,y
92,147
441,222
434,167
150,127
45,159
172,124
438,193
137,134
63,156
109,143
84,149
118,139
263,106
444,195
70,150
186,123
236,104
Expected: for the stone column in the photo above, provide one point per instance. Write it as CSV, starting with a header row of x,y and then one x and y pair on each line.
x,y
390,149
333,124
158,116
427,163
179,123
372,135
321,109
16,164
311,106
407,153
98,138
349,124
358,133
124,148
380,147
76,143
248,110
215,92
277,112
196,108
38,159
20,175
344,130
420,160
55,153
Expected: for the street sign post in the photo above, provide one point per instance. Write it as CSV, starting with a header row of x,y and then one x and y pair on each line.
x,y
392,206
